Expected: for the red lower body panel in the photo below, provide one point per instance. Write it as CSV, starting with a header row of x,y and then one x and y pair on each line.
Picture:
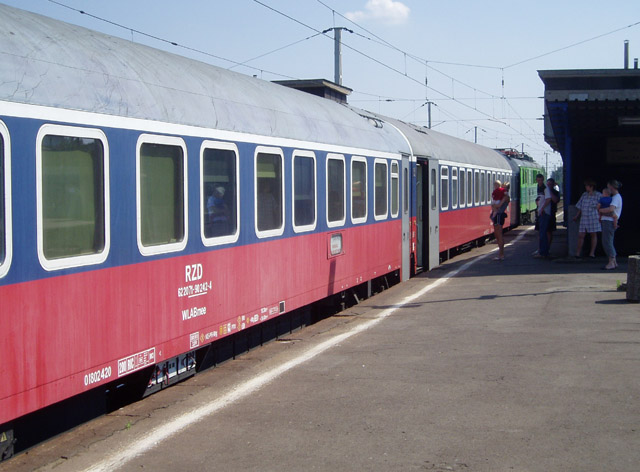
x,y
461,226
67,334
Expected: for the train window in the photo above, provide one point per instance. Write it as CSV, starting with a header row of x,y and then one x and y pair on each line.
x,y
5,205
394,189
381,189
72,196
490,179
269,215
161,194
444,188
463,187
454,187
3,231
434,190
336,184
405,187
358,190
469,187
219,193
483,187
304,191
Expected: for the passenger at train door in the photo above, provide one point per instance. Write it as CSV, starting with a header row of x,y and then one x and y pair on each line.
x,y
499,202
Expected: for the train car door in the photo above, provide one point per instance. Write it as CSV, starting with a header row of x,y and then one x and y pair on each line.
x,y
427,215
406,220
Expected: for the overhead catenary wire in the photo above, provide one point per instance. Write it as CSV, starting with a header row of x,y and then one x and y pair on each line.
x,y
571,45
244,63
318,32
167,41
387,66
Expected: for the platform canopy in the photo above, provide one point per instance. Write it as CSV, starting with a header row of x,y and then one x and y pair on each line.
x,y
592,118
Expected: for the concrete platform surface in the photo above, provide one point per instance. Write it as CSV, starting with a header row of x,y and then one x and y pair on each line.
x,y
520,365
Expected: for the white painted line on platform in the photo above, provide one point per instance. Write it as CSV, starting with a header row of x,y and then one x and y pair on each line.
x,y
161,433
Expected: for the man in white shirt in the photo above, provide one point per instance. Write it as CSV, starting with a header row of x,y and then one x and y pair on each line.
x,y
608,229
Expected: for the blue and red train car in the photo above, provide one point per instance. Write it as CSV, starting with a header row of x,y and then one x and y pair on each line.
x,y
152,205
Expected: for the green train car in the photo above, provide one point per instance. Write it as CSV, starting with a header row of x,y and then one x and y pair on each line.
x,y
528,193
523,196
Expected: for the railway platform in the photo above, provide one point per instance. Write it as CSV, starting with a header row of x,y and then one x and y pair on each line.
x,y
480,365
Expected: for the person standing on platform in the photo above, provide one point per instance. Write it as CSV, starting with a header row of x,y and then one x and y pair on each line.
x,y
608,230
539,202
499,202
547,201
589,218
555,198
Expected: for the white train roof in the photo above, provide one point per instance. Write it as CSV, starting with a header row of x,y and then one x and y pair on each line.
x,y
55,64
428,143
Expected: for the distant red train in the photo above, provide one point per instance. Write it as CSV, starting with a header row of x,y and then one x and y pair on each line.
x,y
151,205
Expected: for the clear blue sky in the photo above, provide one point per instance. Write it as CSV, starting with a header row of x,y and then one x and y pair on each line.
x,y
495,34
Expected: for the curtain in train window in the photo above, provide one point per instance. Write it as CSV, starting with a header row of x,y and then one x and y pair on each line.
x,y
161,194
381,189
304,191
358,190
72,196
220,181
394,189
269,198
3,222
335,191
444,188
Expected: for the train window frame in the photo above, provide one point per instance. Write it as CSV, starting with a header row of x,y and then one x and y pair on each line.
x,y
230,238
444,188
307,155
490,180
380,216
454,188
5,163
405,190
476,187
279,231
462,182
360,220
433,190
395,193
72,261
338,222
469,187
151,250
483,187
